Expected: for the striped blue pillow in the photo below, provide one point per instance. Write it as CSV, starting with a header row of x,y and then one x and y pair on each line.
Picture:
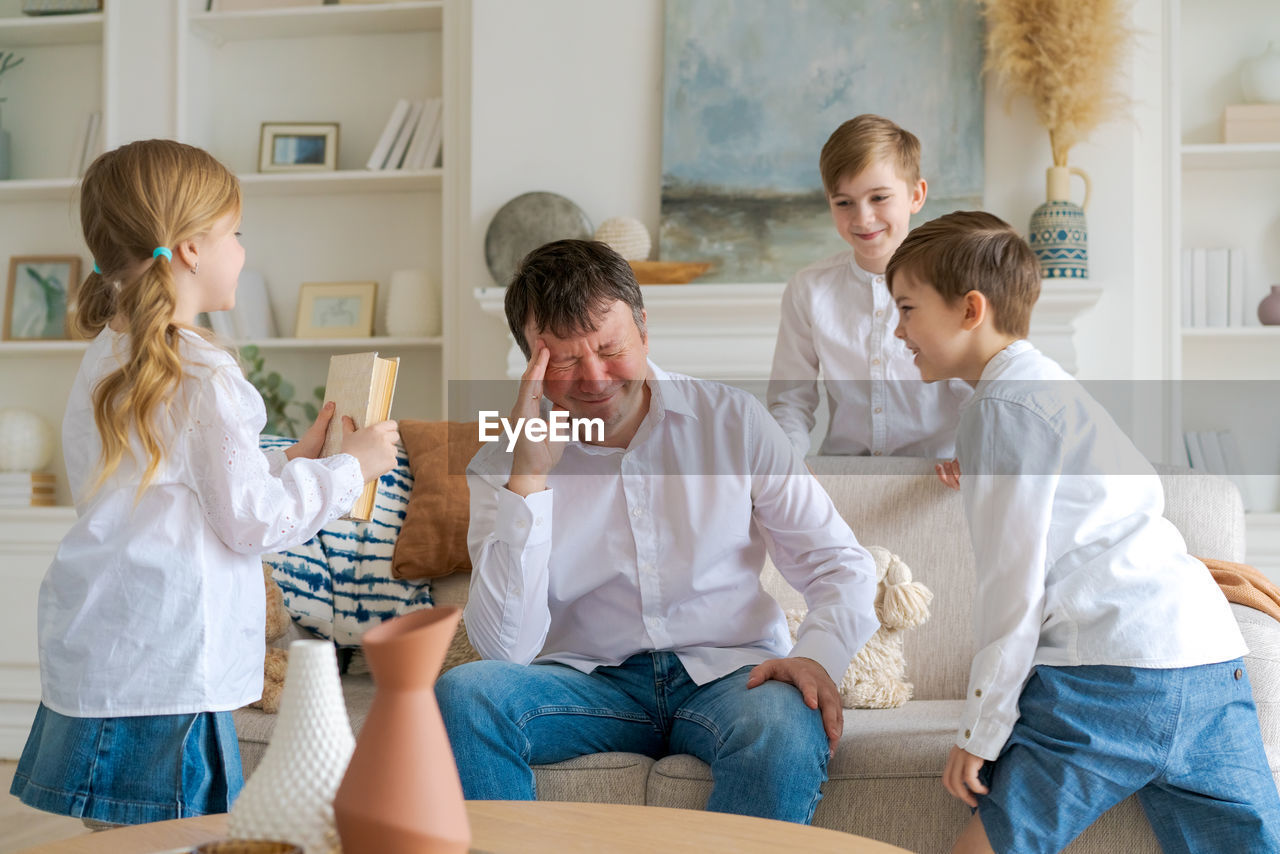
x,y
338,584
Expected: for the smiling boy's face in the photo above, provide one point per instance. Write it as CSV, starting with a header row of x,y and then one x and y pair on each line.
x,y
931,328
872,211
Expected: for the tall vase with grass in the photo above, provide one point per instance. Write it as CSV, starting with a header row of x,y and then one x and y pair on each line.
x,y
8,61
1065,55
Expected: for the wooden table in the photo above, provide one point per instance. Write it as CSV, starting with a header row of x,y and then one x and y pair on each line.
x,y
541,827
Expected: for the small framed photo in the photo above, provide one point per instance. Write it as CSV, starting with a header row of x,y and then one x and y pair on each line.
x,y
41,287
336,309
298,147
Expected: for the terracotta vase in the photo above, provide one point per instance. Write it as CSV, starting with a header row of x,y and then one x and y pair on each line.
x,y
401,793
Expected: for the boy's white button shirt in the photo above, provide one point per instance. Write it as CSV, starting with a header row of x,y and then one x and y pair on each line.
x,y
660,546
1075,562
159,608
839,320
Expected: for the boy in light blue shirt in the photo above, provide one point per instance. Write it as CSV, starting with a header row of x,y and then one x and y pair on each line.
x,y
1109,662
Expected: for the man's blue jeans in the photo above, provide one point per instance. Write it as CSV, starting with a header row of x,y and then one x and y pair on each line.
x,y
766,748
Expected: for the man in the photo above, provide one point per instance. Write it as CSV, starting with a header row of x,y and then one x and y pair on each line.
x,y
615,586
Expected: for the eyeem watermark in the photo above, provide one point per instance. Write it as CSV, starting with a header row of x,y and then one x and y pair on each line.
x,y
559,428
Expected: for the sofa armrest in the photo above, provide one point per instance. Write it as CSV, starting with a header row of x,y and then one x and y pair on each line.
x,y
1262,634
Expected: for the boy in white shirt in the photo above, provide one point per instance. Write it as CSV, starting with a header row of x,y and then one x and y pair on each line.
x,y
1108,661
837,318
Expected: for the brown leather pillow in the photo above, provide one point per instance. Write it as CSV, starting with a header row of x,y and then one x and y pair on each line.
x,y
433,537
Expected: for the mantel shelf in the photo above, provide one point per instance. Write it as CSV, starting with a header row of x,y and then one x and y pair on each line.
x,y
345,181
728,331
1250,155
45,30
328,20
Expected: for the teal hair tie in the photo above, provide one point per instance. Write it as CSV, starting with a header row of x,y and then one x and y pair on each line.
x,y
96,268
163,250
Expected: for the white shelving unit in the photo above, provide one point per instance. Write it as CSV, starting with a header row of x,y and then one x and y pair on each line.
x,y
346,65
1225,195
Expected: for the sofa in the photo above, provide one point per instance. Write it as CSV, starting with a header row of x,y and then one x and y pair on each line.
x,y
884,780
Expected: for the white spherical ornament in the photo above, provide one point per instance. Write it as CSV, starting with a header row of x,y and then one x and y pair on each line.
x,y
626,236
26,441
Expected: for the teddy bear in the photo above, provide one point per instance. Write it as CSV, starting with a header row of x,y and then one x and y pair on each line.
x,y
877,676
277,661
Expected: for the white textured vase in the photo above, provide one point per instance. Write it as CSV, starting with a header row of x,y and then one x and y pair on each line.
x,y
290,795
413,305
26,441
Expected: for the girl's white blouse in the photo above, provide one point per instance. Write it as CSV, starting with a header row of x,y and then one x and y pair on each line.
x,y
154,603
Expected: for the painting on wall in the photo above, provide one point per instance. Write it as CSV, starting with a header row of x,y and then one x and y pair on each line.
x,y
753,88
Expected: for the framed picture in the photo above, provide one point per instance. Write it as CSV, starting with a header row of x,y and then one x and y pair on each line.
x,y
336,309
36,299
298,147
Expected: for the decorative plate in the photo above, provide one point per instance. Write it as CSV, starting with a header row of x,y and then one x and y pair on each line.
x,y
525,223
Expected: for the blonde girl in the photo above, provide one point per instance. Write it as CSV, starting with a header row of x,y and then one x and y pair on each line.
x,y
151,616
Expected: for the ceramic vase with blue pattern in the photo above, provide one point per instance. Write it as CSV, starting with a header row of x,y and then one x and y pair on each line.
x,y
1058,233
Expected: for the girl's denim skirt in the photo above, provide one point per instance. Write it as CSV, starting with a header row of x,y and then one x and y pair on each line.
x,y
130,770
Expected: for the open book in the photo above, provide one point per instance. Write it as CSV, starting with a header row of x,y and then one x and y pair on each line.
x,y
360,385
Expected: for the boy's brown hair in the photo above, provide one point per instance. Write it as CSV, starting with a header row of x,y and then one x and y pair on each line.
x,y
974,251
864,140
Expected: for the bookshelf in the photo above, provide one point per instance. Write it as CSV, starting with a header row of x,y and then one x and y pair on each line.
x,y
1223,195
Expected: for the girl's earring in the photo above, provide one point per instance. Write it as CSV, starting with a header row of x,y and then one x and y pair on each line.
x,y
195,269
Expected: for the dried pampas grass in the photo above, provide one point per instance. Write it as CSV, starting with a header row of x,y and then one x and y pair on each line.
x,y
1063,54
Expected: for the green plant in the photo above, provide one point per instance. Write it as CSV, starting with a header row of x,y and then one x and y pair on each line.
x,y
277,395
8,61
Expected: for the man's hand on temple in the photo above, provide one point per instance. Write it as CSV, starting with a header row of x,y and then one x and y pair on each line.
x,y
532,461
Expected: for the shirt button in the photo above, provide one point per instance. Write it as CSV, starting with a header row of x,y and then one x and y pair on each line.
x,y
879,279
1239,673
521,524
879,410
637,512
875,361
880,313
875,454
537,521
967,734
977,692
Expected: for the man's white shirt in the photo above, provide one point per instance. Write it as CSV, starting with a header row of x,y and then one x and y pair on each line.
x,y
660,546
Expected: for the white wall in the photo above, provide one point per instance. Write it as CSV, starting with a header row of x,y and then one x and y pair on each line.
x,y
567,97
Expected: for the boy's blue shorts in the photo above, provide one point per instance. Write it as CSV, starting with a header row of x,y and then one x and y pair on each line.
x,y
1186,740
130,770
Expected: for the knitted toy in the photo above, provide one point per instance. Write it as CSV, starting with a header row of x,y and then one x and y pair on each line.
x,y
277,659
877,677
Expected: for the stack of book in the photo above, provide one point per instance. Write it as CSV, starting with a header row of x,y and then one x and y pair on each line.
x,y
1216,452
1213,288
411,140
27,489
